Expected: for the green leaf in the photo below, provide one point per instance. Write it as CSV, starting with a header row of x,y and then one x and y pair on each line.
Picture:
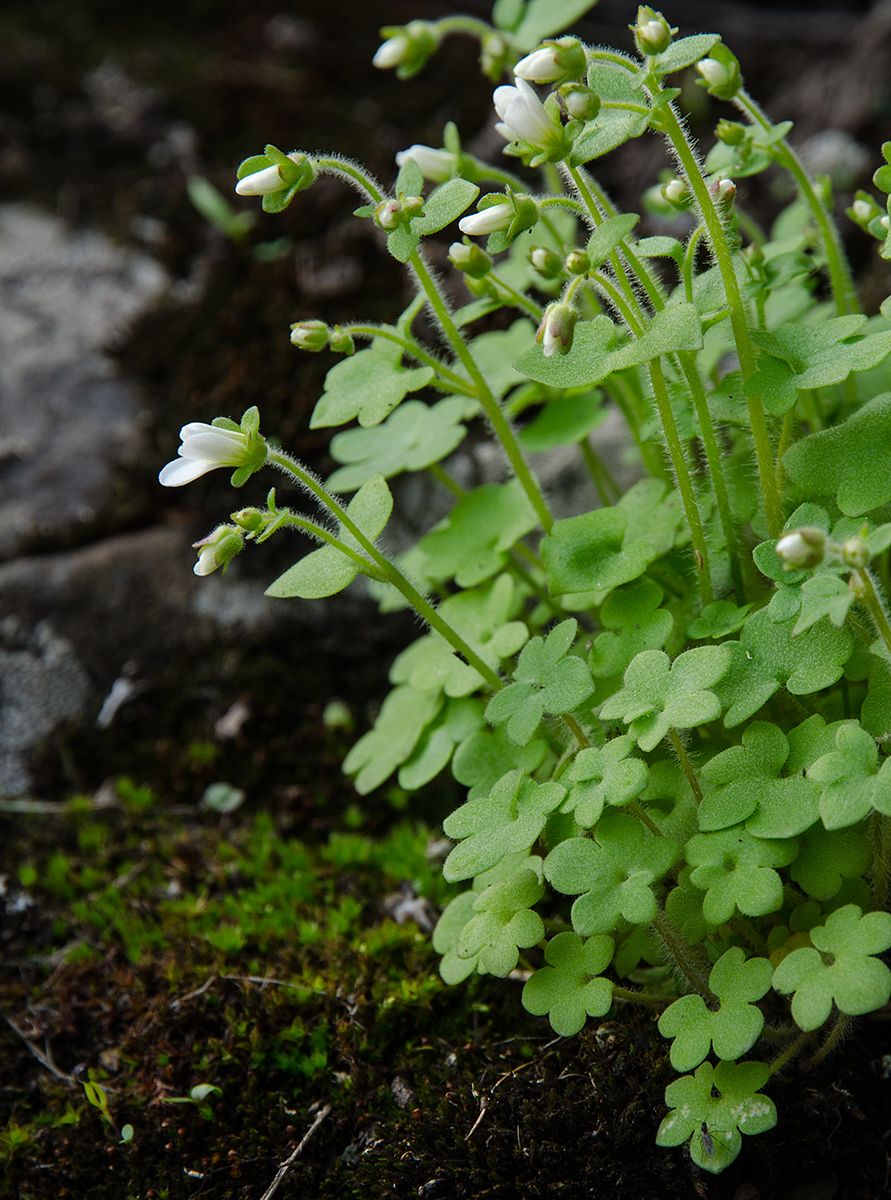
x,y
482,759
737,871
473,541
802,357
734,1027
608,235
823,596
612,126
402,241
368,385
851,786
840,968
767,657
444,205
744,784
718,619
503,923
684,53
564,421
456,721
542,19
713,1107
659,695
411,438
494,352
326,571
601,776
508,820
570,987
445,939
544,682
851,461
592,552
611,876
641,623
827,858
403,717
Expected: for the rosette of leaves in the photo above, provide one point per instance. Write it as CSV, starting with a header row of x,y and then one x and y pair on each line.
x,y
659,695
508,820
738,871
411,438
733,1027
547,679
605,775
713,1107
570,988
839,967
612,876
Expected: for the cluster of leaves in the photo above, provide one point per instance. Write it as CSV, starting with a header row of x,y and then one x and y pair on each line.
x,y
655,776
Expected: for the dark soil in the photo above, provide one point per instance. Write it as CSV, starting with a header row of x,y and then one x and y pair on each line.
x,y
134,920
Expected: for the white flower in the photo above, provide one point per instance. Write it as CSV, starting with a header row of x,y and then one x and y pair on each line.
x,y
487,220
524,118
540,66
436,165
393,52
713,72
203,449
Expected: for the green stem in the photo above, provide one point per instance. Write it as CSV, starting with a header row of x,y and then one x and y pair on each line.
x,y
685,482
536,588
716,470
786,435
627,403
879,828
683,757
491,407
390,572
648,279
841,1026
576,730
843,290
690,261
725,261
684,956
644,817
790,1052
443,477
633,997
872,601
601,475
515,297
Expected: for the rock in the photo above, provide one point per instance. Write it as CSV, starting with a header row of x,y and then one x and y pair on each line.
x,y
67,424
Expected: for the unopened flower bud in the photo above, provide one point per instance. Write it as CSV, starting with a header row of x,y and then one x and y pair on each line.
x,y
862,211
558,60
578,262
719,74
407,48
248,519
675,192
217,549
579,102
548,264
723,192
494,55
885,222
855,552
804,547
556,330
340,341
731,133
309,335
652,33
470,259
277,176
511,215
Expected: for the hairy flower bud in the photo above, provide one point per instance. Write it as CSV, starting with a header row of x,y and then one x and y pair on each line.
x,y
578,262
309,335
731,133
470,259
676,193
557,61
652,33
548,264
719,73
436,165
340,341
406,49
804,547
218,549
510,215
557,327
276,177
579,102
855,552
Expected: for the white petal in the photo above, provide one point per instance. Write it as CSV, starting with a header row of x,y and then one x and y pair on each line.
x,y
181,471
214,448
207,562
261,183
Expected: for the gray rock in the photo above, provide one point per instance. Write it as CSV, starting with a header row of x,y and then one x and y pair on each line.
x,y
66,422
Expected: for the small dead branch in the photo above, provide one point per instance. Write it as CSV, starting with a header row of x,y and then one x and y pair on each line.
x,y
292,1157
44,1059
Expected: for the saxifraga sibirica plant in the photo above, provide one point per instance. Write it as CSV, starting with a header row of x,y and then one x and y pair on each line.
x,y
671,712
